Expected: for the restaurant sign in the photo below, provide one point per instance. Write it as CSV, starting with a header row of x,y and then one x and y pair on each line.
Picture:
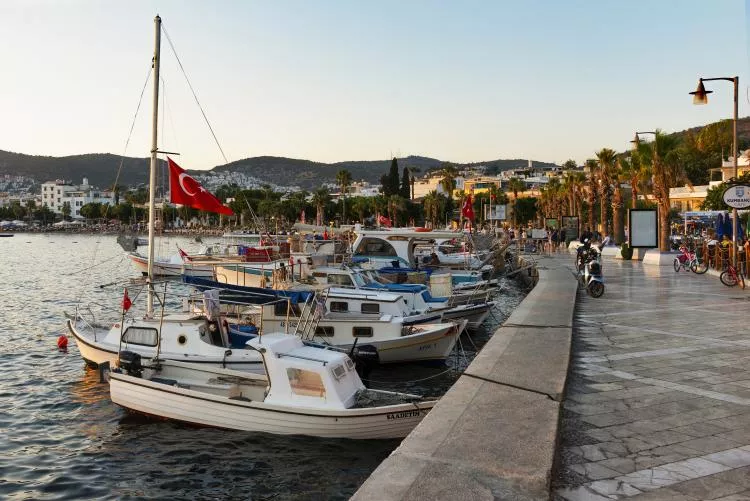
x,y
737,197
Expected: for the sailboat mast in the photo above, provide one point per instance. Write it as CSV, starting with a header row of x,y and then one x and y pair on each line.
x,y
152,175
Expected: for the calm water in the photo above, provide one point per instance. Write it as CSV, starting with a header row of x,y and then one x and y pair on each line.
x,y
61,437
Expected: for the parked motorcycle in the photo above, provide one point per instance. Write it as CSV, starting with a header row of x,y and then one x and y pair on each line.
x,y
590,272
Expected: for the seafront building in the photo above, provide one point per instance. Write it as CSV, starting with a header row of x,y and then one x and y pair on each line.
x,y
55,194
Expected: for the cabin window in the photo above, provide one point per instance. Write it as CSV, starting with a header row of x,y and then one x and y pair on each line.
x,y
140,335
362,331
324,331
370,308
279,309
375,247
342,280
350,364
307,383
338,372
319,274
339,307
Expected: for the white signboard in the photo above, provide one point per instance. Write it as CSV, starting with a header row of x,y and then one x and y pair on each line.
x,y
737,197
643,228
538,233
496,212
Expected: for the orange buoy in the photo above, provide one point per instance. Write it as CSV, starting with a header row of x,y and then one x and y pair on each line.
x,y
62,343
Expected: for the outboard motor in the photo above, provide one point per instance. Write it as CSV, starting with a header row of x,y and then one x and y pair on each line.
x,y
130,362
365,359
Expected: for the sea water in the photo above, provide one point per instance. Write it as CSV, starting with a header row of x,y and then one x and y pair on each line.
x,y
62,438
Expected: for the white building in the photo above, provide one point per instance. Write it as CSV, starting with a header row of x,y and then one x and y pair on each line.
x,y
56,193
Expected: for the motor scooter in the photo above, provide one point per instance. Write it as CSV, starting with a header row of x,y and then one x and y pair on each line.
x,y
590,273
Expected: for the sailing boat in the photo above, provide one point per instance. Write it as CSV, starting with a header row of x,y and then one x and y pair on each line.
x,y
185,336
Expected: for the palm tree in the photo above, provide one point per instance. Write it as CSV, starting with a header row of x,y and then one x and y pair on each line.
x,y
344,180
515,185
361,205
620,175
432,204
579,183
448,183
592,167
606,158
667,172
396,205
320,198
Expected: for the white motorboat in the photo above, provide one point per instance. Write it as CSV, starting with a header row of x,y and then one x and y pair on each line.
x,y
306,391
190,337
380,319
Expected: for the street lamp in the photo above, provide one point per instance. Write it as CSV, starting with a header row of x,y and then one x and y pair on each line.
x,y
700,96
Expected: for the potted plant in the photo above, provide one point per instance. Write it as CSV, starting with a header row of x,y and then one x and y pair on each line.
x,y
626,251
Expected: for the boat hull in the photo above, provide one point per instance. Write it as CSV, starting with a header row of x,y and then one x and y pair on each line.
x,y
201,408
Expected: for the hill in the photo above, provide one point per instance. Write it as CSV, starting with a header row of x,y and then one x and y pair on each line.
x,y
101,168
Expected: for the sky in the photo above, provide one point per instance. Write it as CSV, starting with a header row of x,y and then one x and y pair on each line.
x,y
326,80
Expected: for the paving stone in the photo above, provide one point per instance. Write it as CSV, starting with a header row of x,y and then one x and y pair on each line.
x,y
594,471
735,458
663,494
710,444
702,429
708,487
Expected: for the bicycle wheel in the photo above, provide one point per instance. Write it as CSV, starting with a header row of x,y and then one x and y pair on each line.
x,y
677,265
596,288
728,278
699,267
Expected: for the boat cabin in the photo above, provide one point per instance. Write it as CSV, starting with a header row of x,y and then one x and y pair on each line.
x,y
304,376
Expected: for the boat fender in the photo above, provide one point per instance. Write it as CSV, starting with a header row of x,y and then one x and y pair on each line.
x,y
62,343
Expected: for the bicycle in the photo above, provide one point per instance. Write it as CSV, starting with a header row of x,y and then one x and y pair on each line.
x,y
732,276
690,261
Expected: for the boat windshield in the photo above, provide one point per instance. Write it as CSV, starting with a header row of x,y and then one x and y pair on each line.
x,y
360,280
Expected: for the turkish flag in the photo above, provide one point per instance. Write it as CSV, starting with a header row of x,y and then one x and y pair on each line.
x,y
384,221
467,210
185,190
126,302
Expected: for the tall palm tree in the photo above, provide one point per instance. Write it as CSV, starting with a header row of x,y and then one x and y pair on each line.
x,y
432,204
592,166
619,175
344,180
579,183
515,185
606,159
320,198
667,172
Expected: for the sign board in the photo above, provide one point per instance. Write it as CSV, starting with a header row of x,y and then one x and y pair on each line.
x,y
643,228
538,233
496,212
551,222
570,226
737,197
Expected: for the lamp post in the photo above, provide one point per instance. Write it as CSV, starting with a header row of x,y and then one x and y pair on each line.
x,y
700,96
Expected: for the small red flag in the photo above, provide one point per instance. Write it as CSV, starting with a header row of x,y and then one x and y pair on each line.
x,y
126,302
384,221
185,190
467,210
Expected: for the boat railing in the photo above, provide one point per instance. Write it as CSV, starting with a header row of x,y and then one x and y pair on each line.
x,y
290,355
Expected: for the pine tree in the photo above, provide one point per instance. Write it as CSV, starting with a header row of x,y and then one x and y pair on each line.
x,y
390,181
405,190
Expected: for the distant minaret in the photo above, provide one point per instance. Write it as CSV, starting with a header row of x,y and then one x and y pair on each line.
x,y
530,165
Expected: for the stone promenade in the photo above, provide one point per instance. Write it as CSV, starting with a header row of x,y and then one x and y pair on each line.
x,y
657,404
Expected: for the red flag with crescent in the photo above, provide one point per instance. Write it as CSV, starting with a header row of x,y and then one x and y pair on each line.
x,y
185,190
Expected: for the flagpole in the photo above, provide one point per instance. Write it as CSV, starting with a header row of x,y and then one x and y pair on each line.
x,y
152,176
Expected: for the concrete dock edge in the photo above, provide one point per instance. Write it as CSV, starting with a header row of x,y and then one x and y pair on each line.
x,y
493,434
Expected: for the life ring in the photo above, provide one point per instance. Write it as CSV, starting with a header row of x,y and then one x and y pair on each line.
x,y
421,229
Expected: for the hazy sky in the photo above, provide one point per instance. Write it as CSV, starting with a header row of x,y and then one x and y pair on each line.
x,y
360,80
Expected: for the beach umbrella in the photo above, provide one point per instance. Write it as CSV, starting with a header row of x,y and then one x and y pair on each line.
x,y
727,225
719,225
